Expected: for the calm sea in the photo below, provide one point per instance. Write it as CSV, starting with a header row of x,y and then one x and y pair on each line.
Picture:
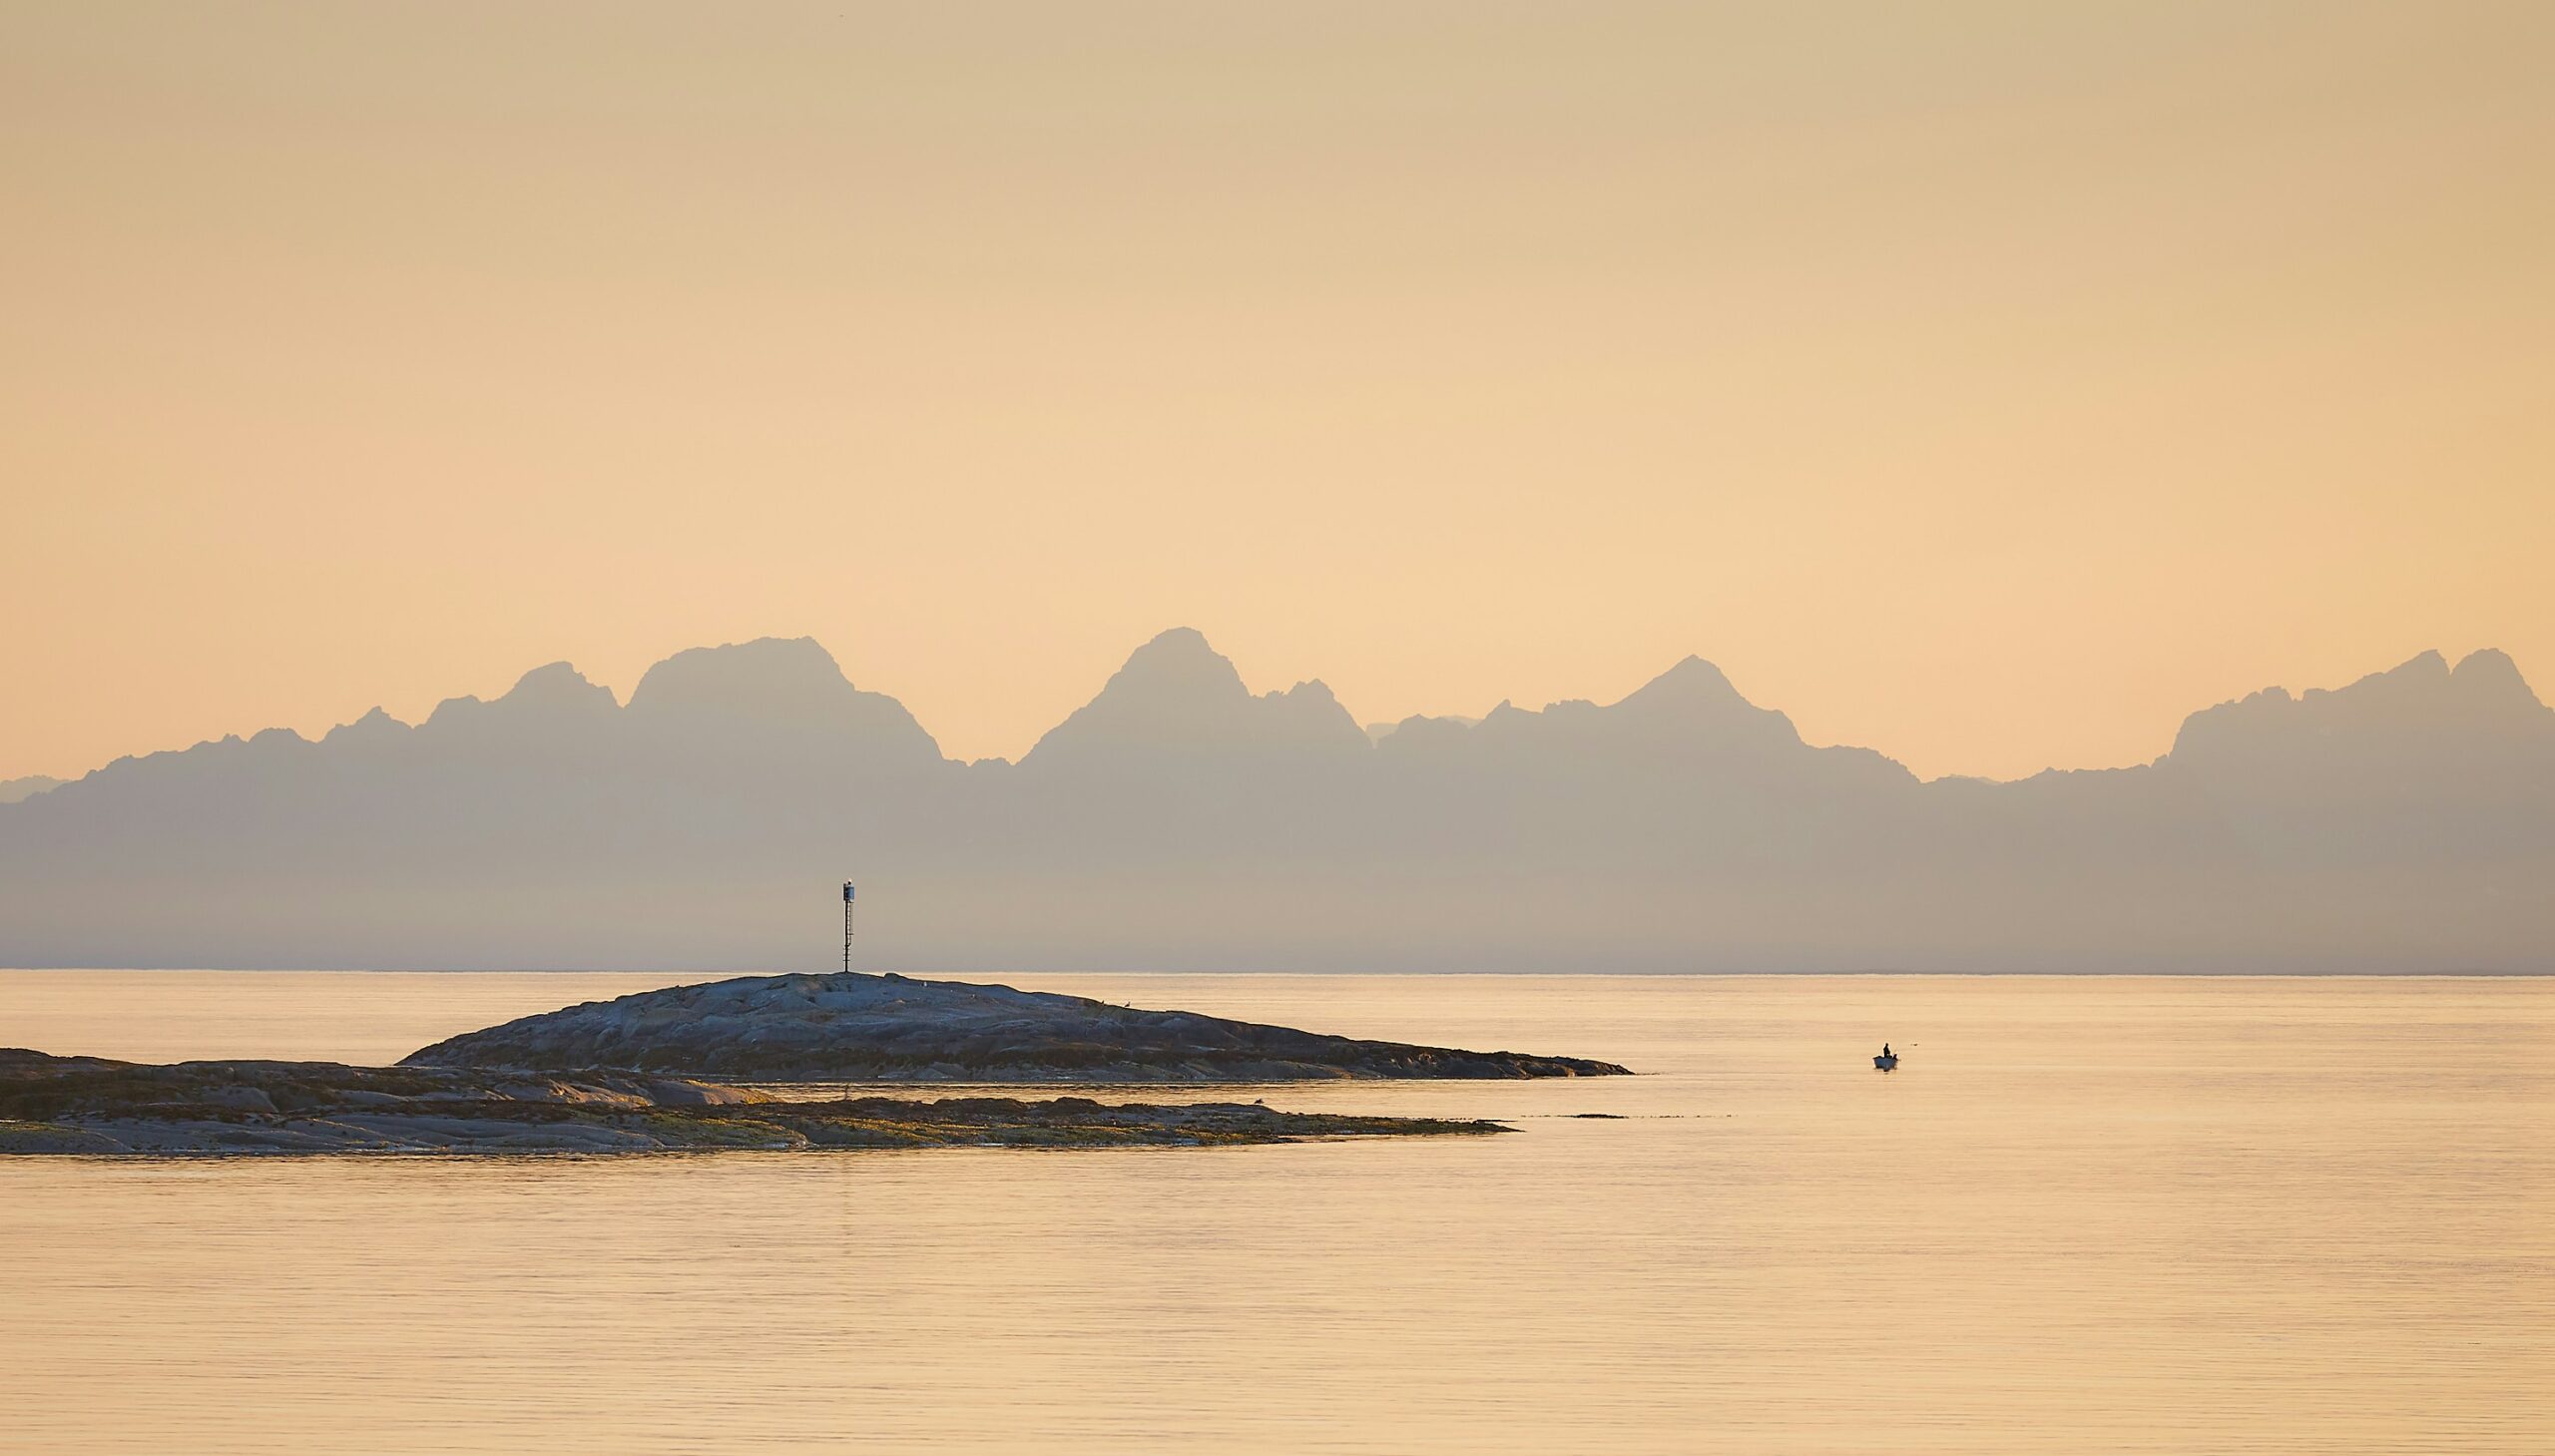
x,y
2086,1216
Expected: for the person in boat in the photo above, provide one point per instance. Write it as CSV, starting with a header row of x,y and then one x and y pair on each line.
x,y
1885,1051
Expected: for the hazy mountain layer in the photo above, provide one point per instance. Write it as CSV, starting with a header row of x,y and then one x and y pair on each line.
x,y
2406,822
14,789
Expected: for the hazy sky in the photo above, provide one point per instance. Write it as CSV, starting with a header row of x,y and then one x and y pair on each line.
x,y
1987,384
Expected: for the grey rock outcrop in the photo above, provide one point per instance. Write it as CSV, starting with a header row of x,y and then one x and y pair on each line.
x,y
853,1026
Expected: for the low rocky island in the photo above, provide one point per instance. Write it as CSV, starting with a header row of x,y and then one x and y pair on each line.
x,y
856,1027
660,1072
89,1105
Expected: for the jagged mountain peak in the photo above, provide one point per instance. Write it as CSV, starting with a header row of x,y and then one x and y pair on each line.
x,y
1177,694
1691,702
775,671
2408,707
2488,675
550,690
555,682
772,690
1312,691
1692,688
373,727
1181,661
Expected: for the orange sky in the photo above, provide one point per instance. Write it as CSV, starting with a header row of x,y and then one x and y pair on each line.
x,y
1989,384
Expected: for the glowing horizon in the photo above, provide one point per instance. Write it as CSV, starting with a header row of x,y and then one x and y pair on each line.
x,y
1991,388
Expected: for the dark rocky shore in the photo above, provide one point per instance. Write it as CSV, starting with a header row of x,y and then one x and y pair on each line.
x,y
74,1105
851,1027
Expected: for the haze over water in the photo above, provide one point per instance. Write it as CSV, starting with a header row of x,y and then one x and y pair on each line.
x,y
2087,1216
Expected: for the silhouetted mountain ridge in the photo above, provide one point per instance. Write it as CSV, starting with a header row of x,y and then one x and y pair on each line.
x,y
2481,703
2404,822
1177,696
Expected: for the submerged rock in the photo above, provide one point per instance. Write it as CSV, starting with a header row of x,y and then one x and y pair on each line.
x,y
853,1026
87,1105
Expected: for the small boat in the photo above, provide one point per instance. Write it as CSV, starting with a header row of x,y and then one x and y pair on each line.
x,y
1886,1062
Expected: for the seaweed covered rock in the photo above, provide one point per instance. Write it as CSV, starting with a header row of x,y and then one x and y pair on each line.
x,y
87,1104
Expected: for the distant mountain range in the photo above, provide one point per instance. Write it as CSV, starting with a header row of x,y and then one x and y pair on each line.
x,y
14,789
2404,824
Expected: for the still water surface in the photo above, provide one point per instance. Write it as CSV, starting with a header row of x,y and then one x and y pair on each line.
x,y
2087,1216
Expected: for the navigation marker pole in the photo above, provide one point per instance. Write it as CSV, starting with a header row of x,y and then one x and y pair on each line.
x,y
846,925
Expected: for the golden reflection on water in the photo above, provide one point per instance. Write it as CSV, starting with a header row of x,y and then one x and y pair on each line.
x,y
2087,1216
